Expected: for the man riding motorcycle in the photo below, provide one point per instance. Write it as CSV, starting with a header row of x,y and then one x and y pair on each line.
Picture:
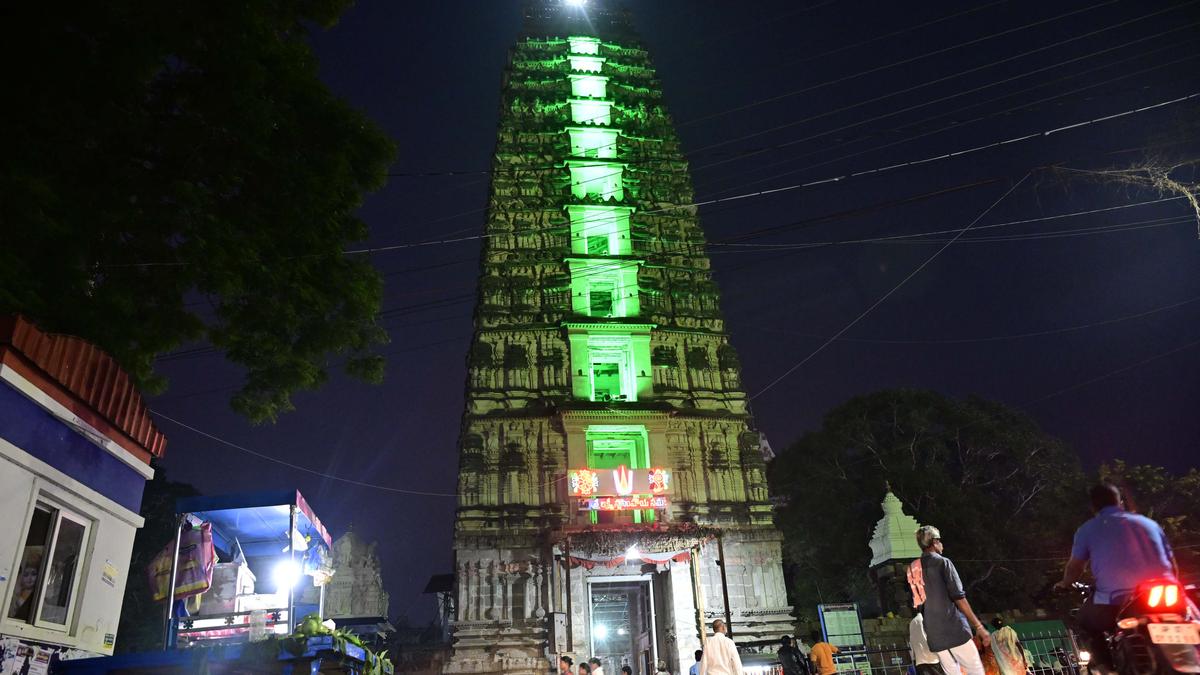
x,y
1124,550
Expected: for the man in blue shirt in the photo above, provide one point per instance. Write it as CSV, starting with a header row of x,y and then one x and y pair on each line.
x,y
695,669
1124,549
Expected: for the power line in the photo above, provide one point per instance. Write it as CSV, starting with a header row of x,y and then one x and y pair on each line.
x,y
922,237
893,113
438,303
894,64
322,474
959,125
868,41
757,193
297,467
999,338
1111,373
887,295
842,177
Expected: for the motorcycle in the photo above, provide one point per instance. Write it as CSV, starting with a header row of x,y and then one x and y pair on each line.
x,y
1157,632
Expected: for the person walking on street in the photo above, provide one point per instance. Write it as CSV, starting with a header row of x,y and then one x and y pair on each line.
x,y
720,654
789,657
950,623
695,669
596,666
565,663
821,655
925,660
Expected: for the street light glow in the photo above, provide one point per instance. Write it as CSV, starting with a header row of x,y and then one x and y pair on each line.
x,y
601,631
577,3
286,575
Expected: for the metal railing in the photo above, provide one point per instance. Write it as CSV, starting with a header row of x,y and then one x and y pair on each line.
x,y
1046,653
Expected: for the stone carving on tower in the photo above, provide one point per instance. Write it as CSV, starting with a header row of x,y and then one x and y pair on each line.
x,y
612,485
356,589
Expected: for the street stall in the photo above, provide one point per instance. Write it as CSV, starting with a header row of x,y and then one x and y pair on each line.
x,y
246,574
244,566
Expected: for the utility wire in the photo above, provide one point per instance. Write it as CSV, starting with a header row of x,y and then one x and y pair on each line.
x,y
297,467
998,338
813,183
404,310
1111,373
894,64
423,493
887,295
955,125
893,113
922,237
754,194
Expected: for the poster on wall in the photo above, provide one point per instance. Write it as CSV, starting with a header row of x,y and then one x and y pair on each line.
x,y
23,658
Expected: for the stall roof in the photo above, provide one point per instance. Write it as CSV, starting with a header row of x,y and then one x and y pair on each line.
x,y
258,520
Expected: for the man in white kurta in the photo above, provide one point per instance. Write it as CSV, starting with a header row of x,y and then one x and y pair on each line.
x,y
720,654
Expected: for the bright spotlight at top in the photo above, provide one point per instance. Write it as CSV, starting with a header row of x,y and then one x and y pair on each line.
x,y
577,3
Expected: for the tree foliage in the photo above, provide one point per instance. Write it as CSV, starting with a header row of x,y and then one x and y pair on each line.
x,y
1004,494
162,150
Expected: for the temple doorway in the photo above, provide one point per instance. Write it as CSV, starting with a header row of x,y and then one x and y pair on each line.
x,y
623,624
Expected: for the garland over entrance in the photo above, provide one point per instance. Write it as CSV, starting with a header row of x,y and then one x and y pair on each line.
x,y
655,543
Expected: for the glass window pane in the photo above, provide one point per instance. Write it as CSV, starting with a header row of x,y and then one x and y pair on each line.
x,y
29,575
60,581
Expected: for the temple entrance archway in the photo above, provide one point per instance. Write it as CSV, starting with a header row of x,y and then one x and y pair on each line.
x,y
624,625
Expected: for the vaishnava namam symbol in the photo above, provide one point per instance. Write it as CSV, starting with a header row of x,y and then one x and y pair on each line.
x,y
623,478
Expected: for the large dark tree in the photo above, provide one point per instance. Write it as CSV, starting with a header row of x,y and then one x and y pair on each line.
x,y
157,151
1005,495
141,626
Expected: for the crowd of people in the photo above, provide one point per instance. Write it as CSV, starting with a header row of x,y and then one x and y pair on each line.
x,y
946,636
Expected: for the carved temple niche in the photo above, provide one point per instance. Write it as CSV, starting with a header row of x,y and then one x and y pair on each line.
x,y
512,473
754,467
517,366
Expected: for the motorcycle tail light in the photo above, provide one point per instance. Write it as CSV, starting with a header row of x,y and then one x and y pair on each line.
x,y
1171,595
1128,623
1156,596
1164,595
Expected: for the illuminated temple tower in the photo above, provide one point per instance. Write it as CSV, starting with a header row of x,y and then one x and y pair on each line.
x,y
607,459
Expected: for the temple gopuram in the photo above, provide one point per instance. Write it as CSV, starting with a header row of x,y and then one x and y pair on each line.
x,y
612,491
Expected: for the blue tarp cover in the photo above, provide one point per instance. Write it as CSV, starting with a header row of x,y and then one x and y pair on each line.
x,y
258,520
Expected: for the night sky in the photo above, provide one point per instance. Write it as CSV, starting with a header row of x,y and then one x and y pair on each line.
x,y
768,95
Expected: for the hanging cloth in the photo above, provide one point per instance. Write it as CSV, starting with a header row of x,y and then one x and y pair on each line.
x,y
194,571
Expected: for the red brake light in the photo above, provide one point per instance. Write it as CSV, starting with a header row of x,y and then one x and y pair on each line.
x,y
1156,596
1171,595
1162,595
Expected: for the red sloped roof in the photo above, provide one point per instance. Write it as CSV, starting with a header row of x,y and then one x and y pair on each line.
x,y
84,379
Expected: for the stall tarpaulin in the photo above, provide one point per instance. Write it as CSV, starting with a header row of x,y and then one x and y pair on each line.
x,y
194,570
